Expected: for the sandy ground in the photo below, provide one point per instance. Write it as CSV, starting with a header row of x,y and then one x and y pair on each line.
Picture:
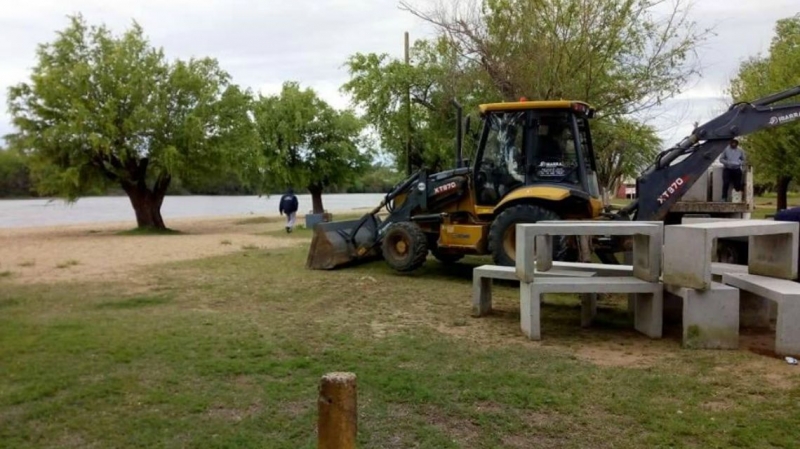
x,y
86,252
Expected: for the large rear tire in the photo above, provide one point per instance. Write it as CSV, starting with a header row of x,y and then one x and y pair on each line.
x,y
502,233
405,247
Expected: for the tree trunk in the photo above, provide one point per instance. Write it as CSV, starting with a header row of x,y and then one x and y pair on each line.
x,y
316,199
147,204
782,190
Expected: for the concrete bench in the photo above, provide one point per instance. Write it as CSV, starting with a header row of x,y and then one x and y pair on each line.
x,y
534,244
785,294
648,303
710,317
600,269
719,268
688,250
483,276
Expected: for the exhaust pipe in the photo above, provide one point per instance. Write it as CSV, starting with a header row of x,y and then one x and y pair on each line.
x,y
459,113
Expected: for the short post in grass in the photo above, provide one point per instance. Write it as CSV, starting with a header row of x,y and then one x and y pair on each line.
x,y
337,420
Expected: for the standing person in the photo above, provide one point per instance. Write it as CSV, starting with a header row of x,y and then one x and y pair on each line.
x,y
733,162
288,205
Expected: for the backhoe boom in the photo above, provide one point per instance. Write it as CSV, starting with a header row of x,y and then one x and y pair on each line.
x,y
669,177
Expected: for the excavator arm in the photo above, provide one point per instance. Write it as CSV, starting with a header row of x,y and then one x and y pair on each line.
x,y
676,169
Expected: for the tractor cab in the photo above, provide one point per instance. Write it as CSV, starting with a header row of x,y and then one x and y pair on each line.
x,y
536,149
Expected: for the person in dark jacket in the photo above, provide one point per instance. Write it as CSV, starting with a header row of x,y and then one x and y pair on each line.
x,y
288,205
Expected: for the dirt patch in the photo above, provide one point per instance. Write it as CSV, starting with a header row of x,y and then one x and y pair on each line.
x,y
458,429
719,405
91,252
632,355
233,414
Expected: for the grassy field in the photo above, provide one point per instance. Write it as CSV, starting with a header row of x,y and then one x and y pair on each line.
x,y
227,352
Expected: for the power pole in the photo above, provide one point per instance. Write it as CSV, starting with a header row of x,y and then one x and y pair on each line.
x,y
408,112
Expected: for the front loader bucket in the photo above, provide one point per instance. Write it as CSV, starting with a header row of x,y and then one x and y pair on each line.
x,y
333,244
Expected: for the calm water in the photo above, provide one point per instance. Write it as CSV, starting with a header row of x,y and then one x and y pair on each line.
x,y
42,212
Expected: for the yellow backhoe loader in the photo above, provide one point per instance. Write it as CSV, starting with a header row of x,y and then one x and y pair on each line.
x,y
534,161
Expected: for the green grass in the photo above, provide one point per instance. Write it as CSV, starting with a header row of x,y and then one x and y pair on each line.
x,y
228,352
27,263
6,274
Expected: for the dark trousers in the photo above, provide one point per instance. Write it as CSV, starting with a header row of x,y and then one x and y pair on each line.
x,y
731,177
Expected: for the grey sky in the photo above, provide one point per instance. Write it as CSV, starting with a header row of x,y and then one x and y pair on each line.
x,y
265,42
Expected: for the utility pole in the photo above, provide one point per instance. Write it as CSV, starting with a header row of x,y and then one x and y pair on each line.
x,y
408,113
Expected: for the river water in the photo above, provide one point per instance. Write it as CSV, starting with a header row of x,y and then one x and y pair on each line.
x,y
44,212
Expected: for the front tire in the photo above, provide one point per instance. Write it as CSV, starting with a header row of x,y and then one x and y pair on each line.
x,y
503,238
404,247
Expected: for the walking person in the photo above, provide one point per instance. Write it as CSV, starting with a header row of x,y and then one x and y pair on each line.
x,y
288,205
732,160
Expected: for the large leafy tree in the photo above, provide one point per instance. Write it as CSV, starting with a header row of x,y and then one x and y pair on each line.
x,y
622,56
104,110
14,176
774,153
623,147
306,142
403,102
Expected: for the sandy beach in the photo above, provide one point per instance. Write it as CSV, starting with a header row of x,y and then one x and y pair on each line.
x,y
90,251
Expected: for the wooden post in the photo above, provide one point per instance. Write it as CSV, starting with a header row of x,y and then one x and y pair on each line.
x,y
337,420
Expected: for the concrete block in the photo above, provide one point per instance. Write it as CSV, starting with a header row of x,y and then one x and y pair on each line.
x,y
600,269
649,303
688,250
648,238
719,268
525,260
699,191
483,276
786,294
716,183
710,317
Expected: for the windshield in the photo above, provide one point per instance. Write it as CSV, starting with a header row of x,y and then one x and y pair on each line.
x,y
504,149
556,157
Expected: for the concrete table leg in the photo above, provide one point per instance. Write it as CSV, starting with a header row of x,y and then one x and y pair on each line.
x,y
787,329
649,313
530,302
481,296
588,308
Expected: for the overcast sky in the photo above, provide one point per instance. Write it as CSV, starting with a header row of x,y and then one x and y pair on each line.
x,y
265,42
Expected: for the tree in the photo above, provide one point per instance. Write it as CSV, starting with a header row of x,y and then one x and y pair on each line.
x,y
305,142
774,152
14,176
382,87
622,56
624,148
103,110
